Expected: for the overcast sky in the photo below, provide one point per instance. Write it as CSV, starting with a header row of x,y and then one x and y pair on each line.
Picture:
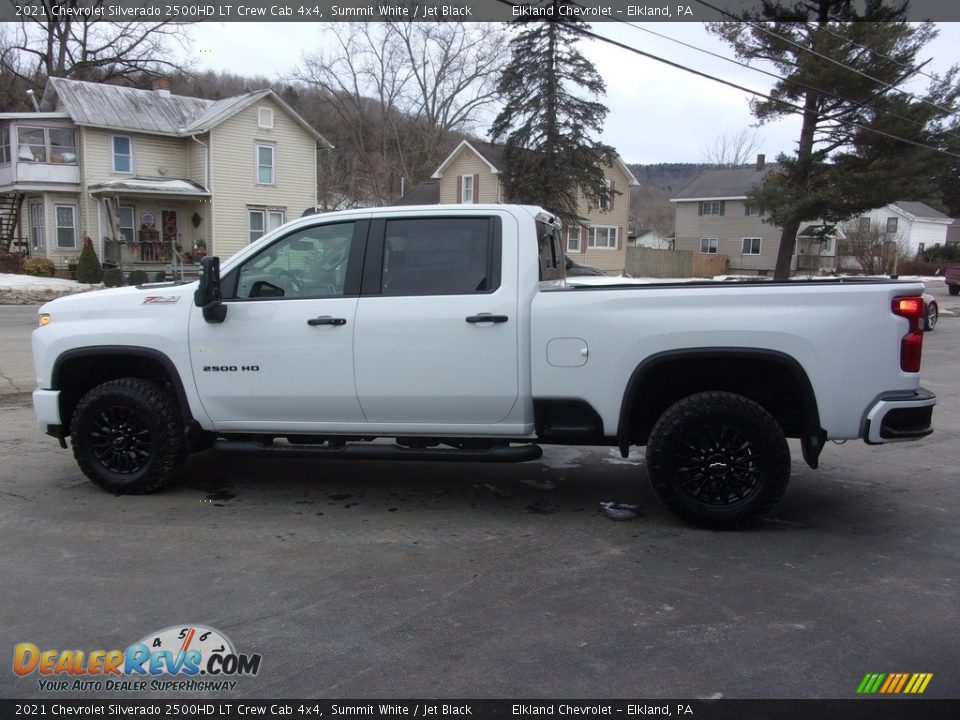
x,y
657,113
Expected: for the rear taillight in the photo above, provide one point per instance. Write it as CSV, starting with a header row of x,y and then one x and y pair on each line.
x,y
911,345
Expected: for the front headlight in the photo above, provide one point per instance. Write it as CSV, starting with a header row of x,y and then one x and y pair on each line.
x,y
44,319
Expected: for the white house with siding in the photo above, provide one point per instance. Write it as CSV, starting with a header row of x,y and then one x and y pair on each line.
x,y
151,176
916,225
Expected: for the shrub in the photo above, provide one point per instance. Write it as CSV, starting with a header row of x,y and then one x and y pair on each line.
x,y
113,277
11,263
136,277
88,266
39,267
160,276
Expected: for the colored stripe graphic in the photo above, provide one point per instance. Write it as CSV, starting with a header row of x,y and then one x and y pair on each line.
x,y
894,683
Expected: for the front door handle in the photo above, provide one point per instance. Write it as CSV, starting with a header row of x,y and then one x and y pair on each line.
x,y
487,318
326,320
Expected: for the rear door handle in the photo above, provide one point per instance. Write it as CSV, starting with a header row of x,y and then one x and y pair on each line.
x,y
326,320
487,318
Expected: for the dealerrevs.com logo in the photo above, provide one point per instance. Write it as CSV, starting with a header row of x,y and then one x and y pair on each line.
x,y
183,657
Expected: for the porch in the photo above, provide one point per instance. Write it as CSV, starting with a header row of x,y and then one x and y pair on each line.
x,y
153,224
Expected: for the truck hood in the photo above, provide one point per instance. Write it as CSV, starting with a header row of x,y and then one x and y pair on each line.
x,y
114,301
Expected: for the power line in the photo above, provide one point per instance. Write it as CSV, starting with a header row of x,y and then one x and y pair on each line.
x,y
918,70
714,78
829,59
774,75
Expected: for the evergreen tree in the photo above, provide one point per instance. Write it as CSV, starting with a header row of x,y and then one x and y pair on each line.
x,y
547,125
825,50
88,265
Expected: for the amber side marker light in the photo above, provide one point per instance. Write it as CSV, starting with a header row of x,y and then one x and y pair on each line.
x,y
44,319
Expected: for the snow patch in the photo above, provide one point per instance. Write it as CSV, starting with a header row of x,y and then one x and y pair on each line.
x,y
636,457
27,289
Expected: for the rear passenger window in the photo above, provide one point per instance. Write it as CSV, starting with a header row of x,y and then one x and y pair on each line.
x,y
440,256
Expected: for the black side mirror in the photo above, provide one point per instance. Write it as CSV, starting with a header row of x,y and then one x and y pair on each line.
x,y
208,295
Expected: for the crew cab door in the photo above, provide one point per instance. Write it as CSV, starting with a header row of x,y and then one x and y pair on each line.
x,y
437,326
283,357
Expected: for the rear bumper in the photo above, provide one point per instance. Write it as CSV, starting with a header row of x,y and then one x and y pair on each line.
x,y
897,418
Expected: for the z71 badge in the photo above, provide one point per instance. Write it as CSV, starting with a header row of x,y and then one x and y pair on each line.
x,y
161,299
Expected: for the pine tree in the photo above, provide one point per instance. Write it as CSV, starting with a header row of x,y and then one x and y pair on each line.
x,y
88,265
548,126
840,68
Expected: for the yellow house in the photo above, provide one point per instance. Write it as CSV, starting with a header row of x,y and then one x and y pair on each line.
x,y
151,177
471,174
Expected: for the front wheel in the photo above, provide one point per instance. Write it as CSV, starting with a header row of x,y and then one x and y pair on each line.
x,y
128,436
718,459
953,289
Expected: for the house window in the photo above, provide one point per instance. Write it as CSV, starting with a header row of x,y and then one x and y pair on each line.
x,y
920,247
44,145
752,211
712,207
466,189
573,239
891,224
261,221
751,246
125,222
266,174
4,144
36,225
66,216
602,238
708,246
265,118
864,225
603,195
122,154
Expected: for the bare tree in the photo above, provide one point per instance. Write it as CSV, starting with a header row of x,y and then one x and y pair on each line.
x,y
732,148
875,250
399,93
59,44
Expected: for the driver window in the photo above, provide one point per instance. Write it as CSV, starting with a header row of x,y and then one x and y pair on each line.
x,y
308,263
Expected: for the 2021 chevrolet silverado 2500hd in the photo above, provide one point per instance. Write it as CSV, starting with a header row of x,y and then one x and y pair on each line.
x,y
452,329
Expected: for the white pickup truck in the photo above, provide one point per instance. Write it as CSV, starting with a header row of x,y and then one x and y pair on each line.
x,y
453,330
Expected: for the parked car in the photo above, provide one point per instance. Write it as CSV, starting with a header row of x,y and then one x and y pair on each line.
x,y
931,312
953,279
575,269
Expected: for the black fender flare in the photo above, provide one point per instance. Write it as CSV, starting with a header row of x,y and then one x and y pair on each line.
x,y
813,436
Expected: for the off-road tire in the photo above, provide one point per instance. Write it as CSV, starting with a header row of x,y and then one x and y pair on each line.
x,y
718,459
128,436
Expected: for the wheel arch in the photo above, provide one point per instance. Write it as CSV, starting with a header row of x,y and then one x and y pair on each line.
x,y
77,371
774,380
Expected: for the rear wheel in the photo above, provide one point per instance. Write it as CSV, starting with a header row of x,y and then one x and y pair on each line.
x,y
128,436
953,289
718,459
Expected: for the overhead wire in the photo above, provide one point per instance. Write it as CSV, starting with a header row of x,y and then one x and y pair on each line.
x,y
829,59
756,93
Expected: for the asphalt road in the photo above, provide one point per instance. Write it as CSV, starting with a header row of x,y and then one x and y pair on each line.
x,y
409,580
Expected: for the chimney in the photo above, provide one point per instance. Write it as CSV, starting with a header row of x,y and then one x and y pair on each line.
x,y
761,159
161,86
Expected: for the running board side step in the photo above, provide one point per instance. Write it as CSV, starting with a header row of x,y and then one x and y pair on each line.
x,y
353,451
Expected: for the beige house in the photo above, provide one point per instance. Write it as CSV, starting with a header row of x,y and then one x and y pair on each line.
x,y
471,174
713,217
149,176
